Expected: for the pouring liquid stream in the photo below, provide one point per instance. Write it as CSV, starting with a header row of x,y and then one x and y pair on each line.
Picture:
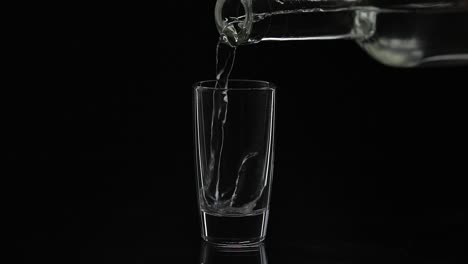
x,y
223,191
225,57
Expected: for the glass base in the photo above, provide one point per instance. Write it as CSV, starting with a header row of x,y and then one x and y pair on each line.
x,y
234,231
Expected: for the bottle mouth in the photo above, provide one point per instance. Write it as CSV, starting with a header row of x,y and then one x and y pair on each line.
x,y
234,20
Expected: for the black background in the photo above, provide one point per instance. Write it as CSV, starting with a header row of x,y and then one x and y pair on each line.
x,y
370,160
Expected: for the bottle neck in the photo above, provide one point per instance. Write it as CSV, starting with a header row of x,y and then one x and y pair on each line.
x,y
249,21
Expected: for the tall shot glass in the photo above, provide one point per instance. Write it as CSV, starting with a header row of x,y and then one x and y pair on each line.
x,y
234,139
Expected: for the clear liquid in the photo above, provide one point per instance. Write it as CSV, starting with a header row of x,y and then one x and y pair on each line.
x,y
222,193
225,58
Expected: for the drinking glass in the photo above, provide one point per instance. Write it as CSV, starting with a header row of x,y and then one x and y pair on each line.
x,y
234,139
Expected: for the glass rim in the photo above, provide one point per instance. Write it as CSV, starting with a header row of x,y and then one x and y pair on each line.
x,y
249,85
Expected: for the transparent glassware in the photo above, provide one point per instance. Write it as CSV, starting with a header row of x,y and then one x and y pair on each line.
x,y
400,33
218,255
234,138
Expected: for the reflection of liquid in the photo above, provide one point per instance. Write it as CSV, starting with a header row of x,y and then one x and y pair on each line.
x,y
220,255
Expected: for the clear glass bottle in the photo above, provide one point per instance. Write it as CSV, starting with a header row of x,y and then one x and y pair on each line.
x,y
400,33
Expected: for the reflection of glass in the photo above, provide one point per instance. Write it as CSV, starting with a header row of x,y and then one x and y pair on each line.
x,y
234,151
218,255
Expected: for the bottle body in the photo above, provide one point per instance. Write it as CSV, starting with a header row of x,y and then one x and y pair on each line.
x,y
401,33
